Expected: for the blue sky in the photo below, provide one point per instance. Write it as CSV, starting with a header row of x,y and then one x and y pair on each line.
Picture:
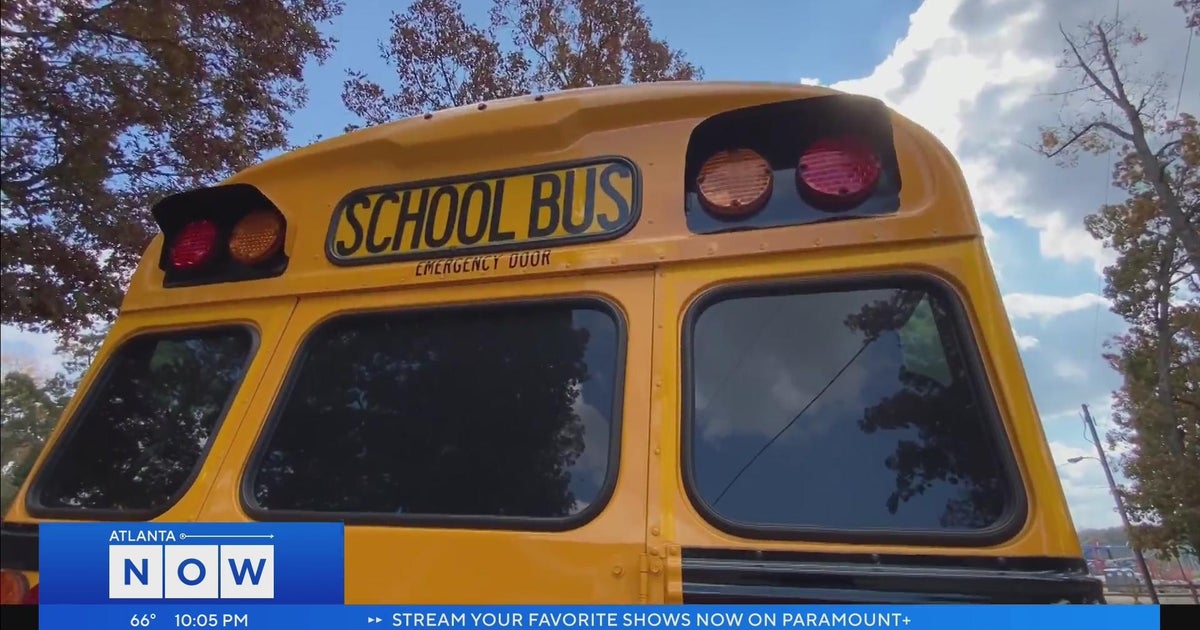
x,y
976,73
756,40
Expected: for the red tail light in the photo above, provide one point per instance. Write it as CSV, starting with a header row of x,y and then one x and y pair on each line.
x,y
195,246
227,233
14,588
838,173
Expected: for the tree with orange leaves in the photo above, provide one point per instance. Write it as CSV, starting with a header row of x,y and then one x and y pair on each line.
x,y
442,59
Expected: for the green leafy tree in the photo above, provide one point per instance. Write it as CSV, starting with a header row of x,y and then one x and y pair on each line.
x,y
443,60
28,412
1154,287
1164,491
1154,284
33,405
107,106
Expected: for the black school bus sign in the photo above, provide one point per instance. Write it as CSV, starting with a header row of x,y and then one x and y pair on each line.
x,y
532,207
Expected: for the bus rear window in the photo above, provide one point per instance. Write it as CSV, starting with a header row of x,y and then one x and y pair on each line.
x,y
497,413
842,410
142,431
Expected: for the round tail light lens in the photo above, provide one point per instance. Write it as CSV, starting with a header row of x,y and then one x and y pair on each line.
x,y
257,237
735,183
195,246
13,587
838,173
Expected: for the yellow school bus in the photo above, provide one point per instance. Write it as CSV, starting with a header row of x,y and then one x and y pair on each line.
x,y
668,343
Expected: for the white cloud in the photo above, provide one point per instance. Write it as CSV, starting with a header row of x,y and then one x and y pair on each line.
x,y
1100,407
1026,342
1069,370
1030,305
29,351
977,73
1085,486
809,81
992,244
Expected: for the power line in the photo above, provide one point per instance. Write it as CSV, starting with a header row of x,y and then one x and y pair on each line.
x,y
1183,74
787,426
766,324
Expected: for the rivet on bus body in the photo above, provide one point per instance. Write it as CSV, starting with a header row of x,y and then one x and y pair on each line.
x,y
657,450
817,242
656,567
654,531
617,571
712,249
613,260
875,235
654,551
762,247
674,551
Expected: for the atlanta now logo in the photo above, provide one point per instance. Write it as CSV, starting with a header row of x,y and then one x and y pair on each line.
x,y
160,564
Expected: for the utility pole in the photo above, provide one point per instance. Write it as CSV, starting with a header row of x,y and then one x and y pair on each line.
x,y
1112,487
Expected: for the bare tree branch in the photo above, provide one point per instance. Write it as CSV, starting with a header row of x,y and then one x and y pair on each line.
x,y
1083,65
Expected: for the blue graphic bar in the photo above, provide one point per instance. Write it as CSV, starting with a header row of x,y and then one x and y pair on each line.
x,y
295,617
152,564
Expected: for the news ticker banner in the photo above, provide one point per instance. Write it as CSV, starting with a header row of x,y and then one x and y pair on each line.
x,y
635,617
290,576
166,563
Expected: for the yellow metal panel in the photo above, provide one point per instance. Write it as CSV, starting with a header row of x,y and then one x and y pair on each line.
x,y
266,317
631,551
648,124
597,562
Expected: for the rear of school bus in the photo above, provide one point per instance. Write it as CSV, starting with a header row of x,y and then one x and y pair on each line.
x,y
667,343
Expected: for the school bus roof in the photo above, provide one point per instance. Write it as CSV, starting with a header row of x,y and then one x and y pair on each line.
x,y
646,127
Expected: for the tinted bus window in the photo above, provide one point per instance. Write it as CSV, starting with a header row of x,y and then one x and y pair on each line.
x,y
142,432
845,409
501,411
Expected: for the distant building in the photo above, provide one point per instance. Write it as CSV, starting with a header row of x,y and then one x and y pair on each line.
x,y
1104,559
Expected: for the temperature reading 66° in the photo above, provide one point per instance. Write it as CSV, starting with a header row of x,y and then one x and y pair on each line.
x,y
142,621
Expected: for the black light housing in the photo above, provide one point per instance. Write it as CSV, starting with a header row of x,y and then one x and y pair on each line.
x,y
830,157
198,226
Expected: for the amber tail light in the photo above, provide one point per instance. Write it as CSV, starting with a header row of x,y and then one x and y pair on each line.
x,y
220,234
